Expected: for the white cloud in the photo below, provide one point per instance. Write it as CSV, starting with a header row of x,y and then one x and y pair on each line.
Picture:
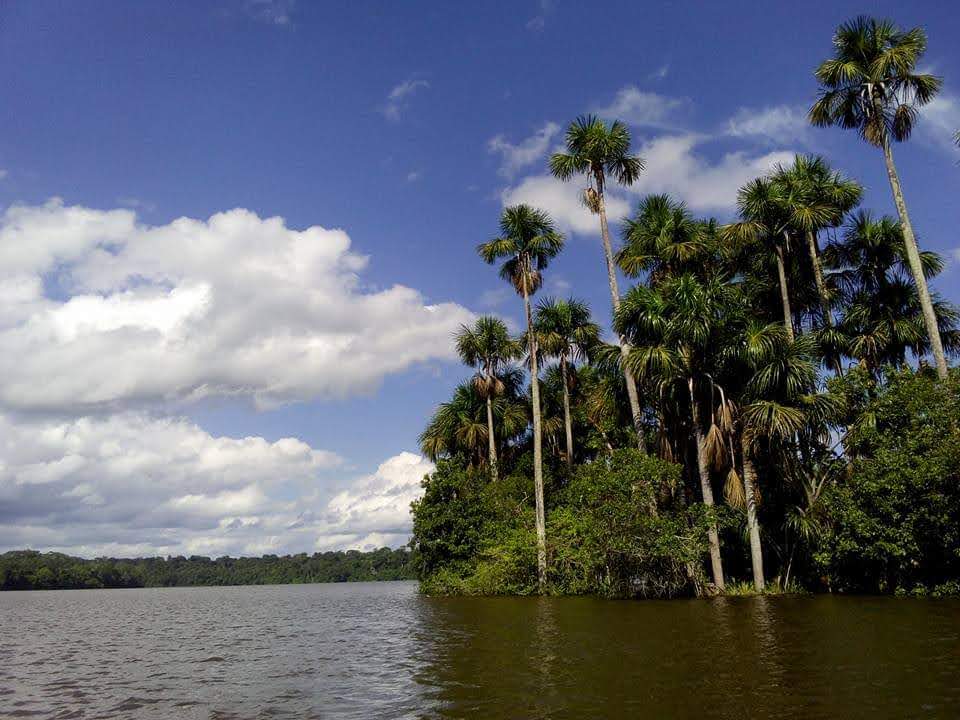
x,y
133,484
528,151
673,166
380,502
636,107
940,121
413,176
777,124
100,312
399,95
562,200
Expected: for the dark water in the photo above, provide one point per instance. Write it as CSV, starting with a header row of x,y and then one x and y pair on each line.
x,y
382,651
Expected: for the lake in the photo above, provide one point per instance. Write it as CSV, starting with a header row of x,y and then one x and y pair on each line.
x,y
380,650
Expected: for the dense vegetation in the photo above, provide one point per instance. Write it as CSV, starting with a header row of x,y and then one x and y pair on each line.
x,y
30,570
778,405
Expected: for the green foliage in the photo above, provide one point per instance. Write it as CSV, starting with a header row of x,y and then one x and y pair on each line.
x,y
893,524
602,536
31,570
448,519
606,539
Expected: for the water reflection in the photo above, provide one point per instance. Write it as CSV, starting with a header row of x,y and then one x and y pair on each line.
x,y
382,651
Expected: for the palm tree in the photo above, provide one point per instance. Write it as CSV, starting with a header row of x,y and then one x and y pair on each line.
x,y
488,347
598,151
663,239
673,329
765,222
871,85
459,426
882,318
528,241
816,198
565,331
781,409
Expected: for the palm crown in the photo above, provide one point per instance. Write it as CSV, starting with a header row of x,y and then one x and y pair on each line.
x,y
815,196
596,150
564,328
488,347
663,239
870,84
528,241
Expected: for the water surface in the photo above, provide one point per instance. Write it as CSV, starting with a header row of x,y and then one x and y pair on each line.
x,y
379,650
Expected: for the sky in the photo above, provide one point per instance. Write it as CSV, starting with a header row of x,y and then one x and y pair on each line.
x,y
237,236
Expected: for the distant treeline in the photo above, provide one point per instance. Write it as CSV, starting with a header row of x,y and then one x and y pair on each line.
x,y
31,570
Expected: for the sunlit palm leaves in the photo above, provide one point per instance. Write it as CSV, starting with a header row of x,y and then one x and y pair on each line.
x,y
599,151
663,239
871,84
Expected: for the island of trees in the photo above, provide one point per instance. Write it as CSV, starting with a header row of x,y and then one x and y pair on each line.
x,y
31,570
777,413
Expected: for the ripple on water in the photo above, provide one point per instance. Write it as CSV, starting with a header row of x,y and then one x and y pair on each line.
x,y
382,651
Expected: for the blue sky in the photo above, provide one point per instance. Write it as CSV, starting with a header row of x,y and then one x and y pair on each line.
x,y
405,125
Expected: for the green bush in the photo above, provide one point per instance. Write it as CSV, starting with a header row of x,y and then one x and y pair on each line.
x,y
475,537
893,523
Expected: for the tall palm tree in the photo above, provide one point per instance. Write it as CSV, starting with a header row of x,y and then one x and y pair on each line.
x,y
528,241
673,329
488,347
765,223
565,331
816,198
599,152
871,85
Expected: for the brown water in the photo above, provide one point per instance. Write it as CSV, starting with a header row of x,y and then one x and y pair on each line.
x,y
381,651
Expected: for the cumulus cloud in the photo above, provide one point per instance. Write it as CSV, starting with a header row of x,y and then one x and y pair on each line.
x,y
134,484
380,503
100,312
674,164
515,157
643,109
399,96
777,124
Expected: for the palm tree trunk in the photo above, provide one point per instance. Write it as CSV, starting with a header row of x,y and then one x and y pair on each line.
x,y
703,467
568,423
753,527
492,442
822,290
916,268
784,293
818,277
537,449
632,394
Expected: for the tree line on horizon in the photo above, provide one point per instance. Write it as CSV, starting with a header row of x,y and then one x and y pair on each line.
x,y
32,570
750,415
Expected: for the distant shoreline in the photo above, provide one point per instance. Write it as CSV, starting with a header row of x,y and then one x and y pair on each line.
x,y
33,570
